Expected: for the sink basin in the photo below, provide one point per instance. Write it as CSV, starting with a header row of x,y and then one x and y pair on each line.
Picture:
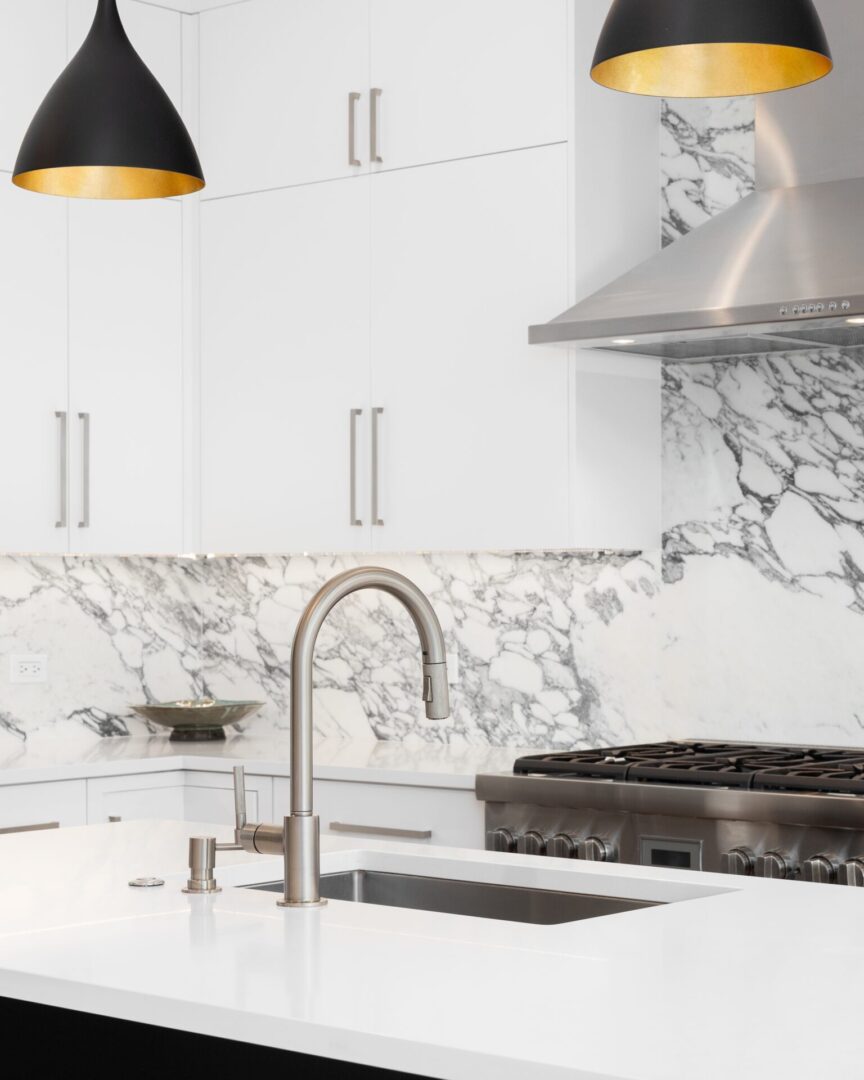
x,y
484,901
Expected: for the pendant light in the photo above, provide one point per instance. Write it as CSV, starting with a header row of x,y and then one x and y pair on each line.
x,y
107,129
710,48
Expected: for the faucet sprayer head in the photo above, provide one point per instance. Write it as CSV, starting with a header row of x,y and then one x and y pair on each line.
x,y
436,692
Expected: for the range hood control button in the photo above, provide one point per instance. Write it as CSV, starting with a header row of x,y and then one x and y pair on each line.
x,y
773,864
532,843
501,840
821,869
739,860
852,872
595,849
562,846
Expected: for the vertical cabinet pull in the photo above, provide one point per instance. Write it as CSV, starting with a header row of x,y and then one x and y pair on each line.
x,y
352,466
353,98
84,523
376,520
374,97
61,521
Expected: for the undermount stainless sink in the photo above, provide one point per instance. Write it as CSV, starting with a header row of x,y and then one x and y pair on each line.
x,y
484,901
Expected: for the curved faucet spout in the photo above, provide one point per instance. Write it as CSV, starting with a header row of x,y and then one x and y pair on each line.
x,y
302,877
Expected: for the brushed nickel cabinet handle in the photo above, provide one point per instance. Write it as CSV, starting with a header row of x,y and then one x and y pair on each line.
x,y
381,830
353,98
353,519
61,521
84,523
374,97
30,828
376,520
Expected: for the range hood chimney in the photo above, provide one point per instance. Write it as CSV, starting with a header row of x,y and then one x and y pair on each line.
x,y
781,271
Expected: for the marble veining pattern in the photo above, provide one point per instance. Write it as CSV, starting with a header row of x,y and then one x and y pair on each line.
x,y
540,643
707,155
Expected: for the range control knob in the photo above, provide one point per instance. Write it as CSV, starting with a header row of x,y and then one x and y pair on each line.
x,y
501,840
774,864
596,849
562,846
852,872
532,843
821,869
740,860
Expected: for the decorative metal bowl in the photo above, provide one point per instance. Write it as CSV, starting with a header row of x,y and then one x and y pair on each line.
x,y
200,720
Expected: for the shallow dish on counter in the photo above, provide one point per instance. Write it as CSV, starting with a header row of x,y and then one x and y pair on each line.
x,y
201,719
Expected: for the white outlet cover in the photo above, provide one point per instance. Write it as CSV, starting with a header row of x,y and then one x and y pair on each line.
x,y
28,668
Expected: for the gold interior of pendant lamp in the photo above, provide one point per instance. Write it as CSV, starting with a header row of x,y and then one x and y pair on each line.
x,y
108,182
711,69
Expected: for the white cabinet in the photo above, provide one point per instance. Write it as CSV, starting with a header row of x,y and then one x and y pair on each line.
x,y
176,796
32,55
275,80
474,438
285,334
91,389
33,376
472,443
445,78
27,805
461,78
126,376
357,811
150,795
210,797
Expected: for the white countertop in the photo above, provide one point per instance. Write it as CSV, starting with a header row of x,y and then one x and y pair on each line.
x,y
420,764
746,978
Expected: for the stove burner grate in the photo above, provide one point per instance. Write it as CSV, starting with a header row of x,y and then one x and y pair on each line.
x,y
751,766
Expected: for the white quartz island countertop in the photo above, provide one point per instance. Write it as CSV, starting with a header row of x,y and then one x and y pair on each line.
x,y
730,978
420,764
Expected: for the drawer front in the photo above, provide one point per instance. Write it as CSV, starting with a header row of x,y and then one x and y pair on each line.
x,y
209,797
392,812
131,798
63,802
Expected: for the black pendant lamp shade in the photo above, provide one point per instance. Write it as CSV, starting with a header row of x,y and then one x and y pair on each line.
x,y
710,48
107,129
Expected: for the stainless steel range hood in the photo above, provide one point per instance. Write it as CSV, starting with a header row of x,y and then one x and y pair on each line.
x,y
782,270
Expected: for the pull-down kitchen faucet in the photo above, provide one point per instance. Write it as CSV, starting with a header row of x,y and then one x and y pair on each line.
x,y
298,838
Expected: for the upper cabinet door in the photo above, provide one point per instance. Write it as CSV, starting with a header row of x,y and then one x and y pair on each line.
x,y
459,79
473,438
33,388
32,55
276,76
285,370
126,378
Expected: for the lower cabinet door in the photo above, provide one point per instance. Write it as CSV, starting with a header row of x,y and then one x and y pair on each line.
x,y
130,798
360,811
33,806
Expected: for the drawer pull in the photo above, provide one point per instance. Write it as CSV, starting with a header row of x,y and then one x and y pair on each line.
x,y
381,830
30,828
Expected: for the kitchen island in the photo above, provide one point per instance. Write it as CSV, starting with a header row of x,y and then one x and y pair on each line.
x,y
724,976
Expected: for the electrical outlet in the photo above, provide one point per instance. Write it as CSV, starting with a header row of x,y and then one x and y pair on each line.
x,y
452,667
28,668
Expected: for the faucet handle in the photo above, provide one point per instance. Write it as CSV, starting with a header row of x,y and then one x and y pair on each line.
x,y
239,800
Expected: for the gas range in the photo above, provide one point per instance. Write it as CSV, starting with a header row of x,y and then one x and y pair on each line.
x,y
737,808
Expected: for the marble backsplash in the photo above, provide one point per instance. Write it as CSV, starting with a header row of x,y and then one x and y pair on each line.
x,y
546,649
